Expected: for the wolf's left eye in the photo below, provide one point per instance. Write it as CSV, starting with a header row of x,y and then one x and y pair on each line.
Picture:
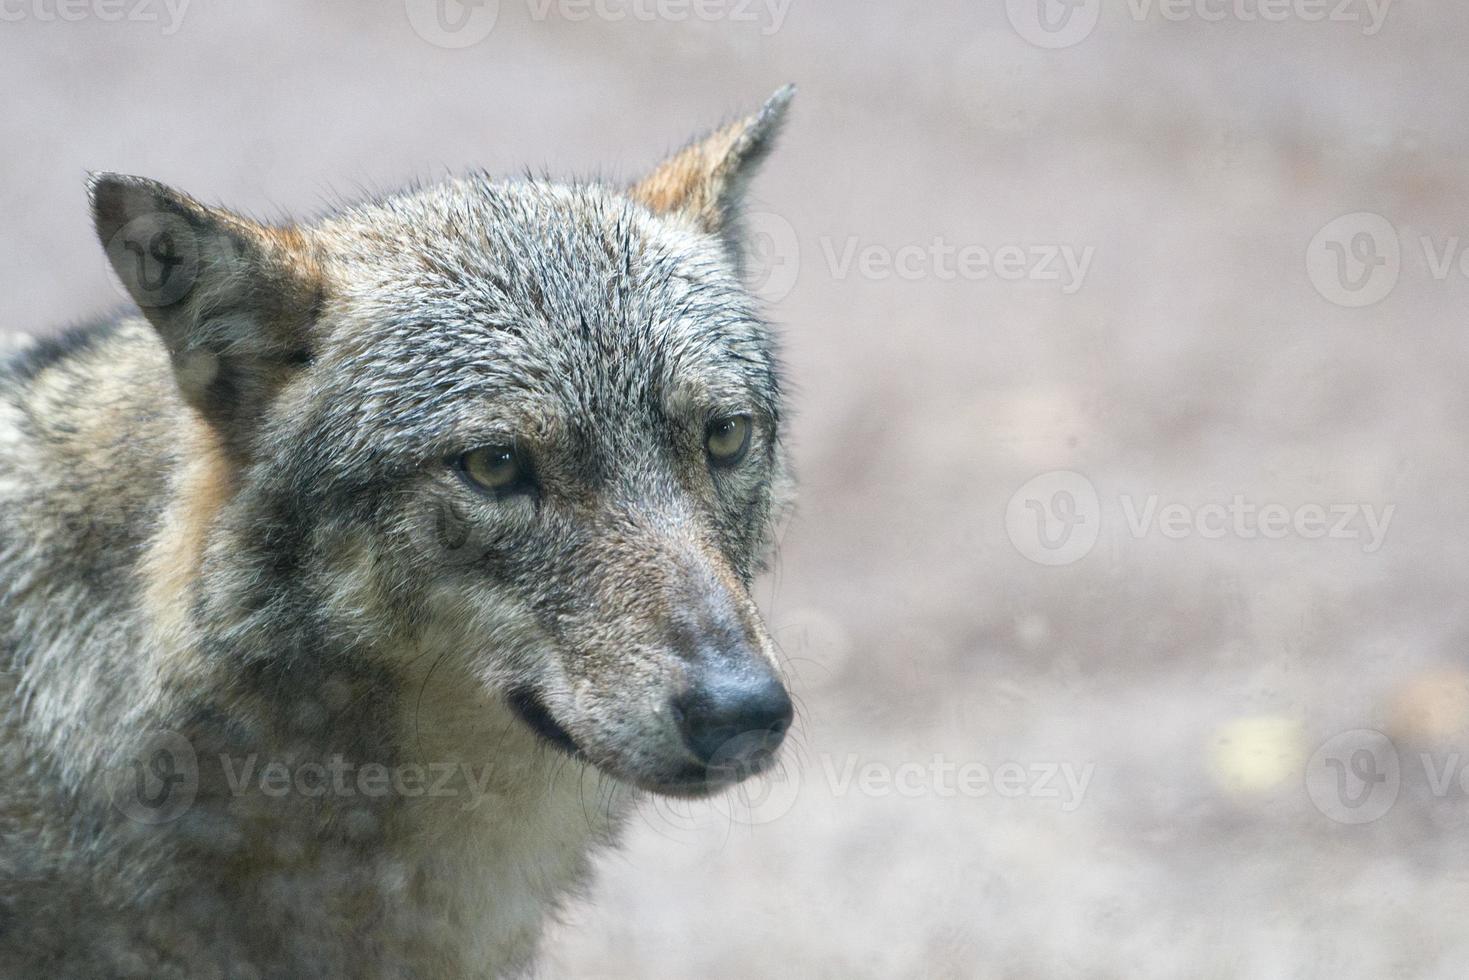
x,y
728,439
495,469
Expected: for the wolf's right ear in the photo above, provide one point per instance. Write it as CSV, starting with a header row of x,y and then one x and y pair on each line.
x,y
233,300
705,181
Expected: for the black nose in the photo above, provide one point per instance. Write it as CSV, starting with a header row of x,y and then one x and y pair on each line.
x,y
733,719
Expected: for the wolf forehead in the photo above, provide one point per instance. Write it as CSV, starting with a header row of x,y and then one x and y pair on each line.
x,y
598,299
546,299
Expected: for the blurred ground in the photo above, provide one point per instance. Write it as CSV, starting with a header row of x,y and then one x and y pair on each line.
x,y
1201,687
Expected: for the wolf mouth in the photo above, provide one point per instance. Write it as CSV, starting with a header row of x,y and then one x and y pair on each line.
x,y
695,780
528,705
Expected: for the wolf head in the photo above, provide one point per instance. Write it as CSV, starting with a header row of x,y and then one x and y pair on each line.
x,y
529,430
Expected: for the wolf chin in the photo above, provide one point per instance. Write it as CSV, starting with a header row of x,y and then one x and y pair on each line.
x,y
357,584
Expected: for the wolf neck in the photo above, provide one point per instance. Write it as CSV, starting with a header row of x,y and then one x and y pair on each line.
x,y
461,817
464,830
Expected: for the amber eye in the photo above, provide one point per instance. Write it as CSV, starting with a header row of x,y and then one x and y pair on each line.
x,y
728,439
495,469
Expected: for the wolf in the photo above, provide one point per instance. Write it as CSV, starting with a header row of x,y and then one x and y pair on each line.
x,y
356,585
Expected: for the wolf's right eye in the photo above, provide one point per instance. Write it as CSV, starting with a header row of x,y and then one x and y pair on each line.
x,y
728,439
498,470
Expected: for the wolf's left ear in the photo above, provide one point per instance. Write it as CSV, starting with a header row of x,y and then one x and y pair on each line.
x,y
706,180
232,300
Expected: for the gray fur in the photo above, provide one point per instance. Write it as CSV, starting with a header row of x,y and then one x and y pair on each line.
x,y
230,530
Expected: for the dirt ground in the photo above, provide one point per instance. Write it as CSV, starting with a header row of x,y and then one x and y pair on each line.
x,y
1126,597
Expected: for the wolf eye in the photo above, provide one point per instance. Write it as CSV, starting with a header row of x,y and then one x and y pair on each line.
x,y
728,439
495,469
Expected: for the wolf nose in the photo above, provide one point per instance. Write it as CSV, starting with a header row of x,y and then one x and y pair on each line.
x,y
734,719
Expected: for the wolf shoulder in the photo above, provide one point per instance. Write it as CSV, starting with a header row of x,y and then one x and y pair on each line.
x,y
89,435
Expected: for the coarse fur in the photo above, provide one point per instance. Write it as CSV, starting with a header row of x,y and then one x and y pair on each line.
x,y
283,692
